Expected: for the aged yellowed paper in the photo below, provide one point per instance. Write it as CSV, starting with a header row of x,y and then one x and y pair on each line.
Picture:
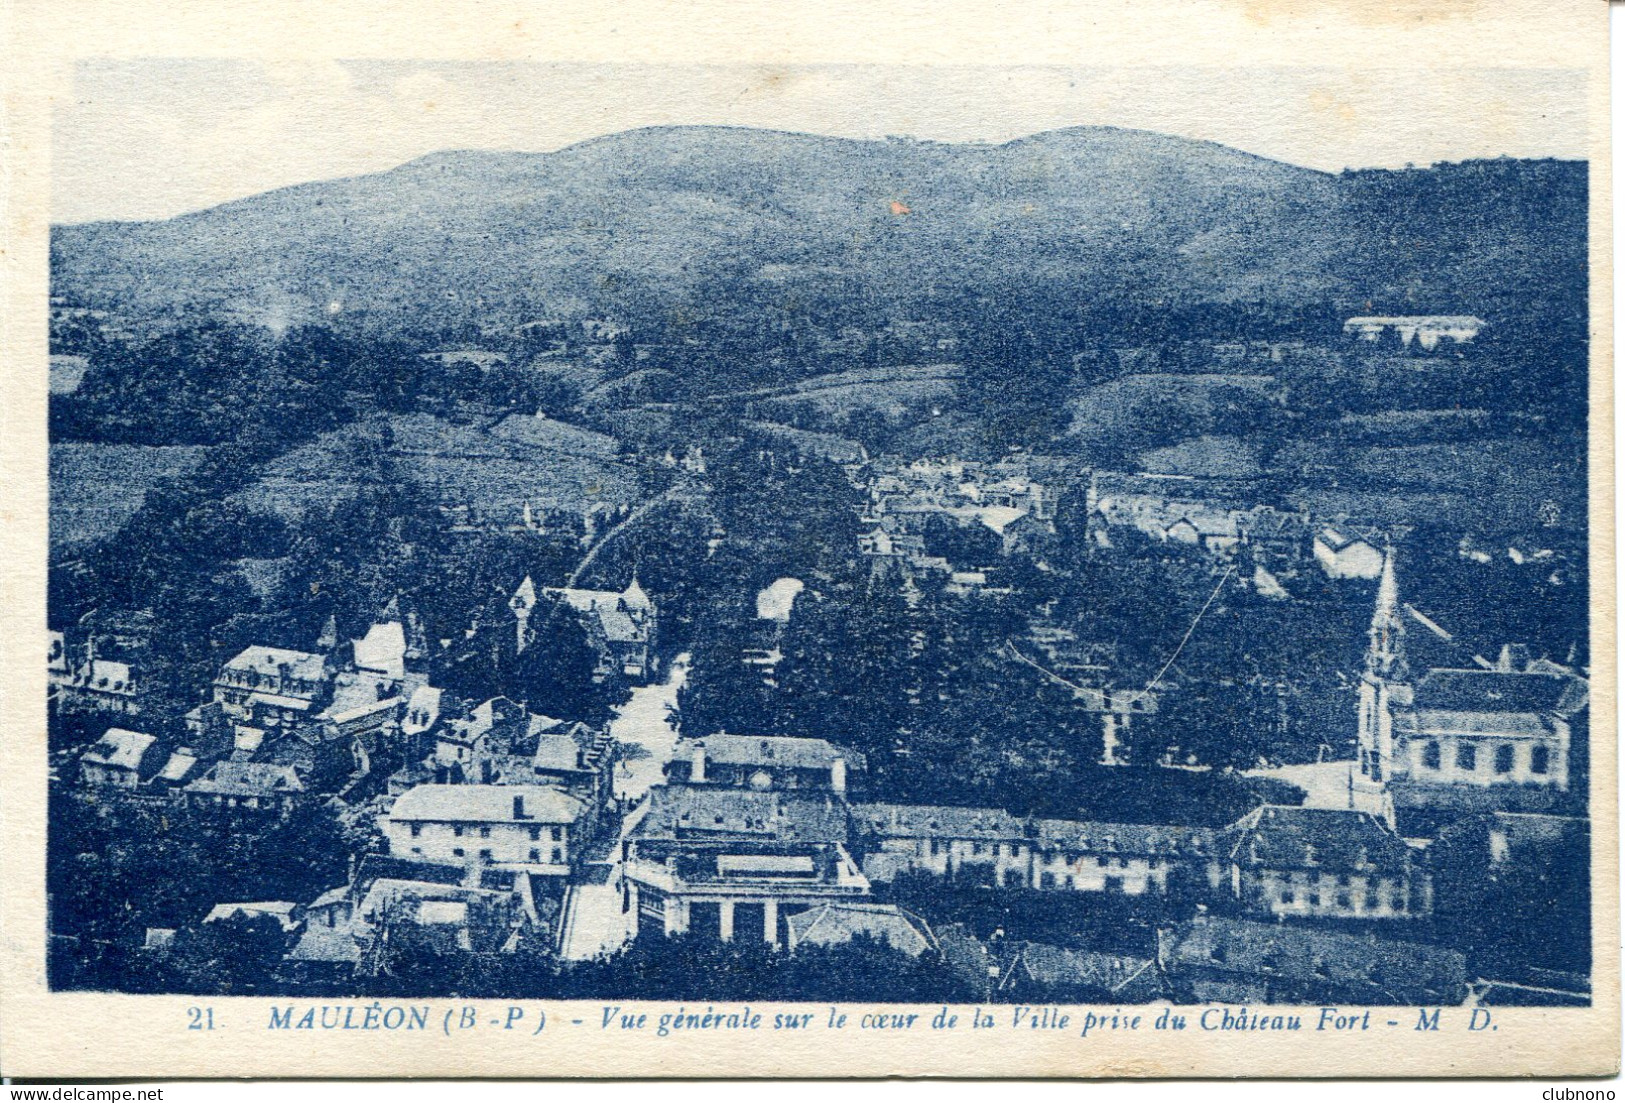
x,y
758,540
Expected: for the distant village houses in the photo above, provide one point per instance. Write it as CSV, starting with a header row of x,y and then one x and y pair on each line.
x,y
1426,331
80,680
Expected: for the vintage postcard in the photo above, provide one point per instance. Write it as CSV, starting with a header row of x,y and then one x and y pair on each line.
x,y
696,540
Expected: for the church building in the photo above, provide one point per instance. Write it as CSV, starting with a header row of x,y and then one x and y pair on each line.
x,y
1493,736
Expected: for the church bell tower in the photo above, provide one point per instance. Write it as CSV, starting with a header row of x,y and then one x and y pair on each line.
x,y
1384,683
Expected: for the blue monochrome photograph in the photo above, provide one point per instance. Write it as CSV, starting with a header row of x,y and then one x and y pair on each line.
x,y
576,532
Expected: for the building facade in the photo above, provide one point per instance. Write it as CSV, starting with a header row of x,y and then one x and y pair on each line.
x,y
726,863
1493,736
1325,864
524,826
764,762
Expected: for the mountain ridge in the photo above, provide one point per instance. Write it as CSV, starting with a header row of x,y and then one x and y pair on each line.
x,y
646,222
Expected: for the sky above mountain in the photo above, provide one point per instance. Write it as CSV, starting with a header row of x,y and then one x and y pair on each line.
x,y
152,139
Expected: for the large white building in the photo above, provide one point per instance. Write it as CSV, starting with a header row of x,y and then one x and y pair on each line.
x,y
998,849
726,862
529,827
273,685
1347,555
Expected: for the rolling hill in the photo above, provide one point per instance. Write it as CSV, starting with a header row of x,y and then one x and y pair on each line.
x,y
651,222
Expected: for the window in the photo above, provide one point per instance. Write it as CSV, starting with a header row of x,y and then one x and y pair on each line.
x,y
557,856
1430,756
417,830
535,833
1371,899
485,832
1046,880
535,855
486,854
1503,758
1343,900
1540,759
457,829
1314,899
456,852
1289,897
555,833
1466,756
1343,879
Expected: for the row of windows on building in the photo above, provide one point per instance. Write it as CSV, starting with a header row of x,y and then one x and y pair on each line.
x,y
553,833
1053,881
1505,759
220,801
1372,899
554,856
1540,757
937,847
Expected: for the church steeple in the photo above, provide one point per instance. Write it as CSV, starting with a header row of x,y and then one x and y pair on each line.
x,y
1385,657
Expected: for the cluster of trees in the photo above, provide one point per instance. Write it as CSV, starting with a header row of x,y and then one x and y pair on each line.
x,y
116,867
206,381
942,707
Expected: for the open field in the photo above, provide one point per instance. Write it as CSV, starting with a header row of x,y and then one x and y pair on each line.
x,y
492,473
96,488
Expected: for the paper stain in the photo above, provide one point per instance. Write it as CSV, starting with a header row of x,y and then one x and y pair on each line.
x,y
899,207
1369,12
1322,102
768,80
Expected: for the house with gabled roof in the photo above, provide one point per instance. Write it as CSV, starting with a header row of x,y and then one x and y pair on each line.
x,y
121,758
838,923
1039,971
1325,863
82,680
1346,553
247,788
622,625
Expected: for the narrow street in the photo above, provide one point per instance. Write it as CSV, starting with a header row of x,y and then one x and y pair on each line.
x,y
595,923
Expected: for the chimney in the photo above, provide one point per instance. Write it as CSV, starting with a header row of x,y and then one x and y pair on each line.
x,y
837,775
696,771
472,870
